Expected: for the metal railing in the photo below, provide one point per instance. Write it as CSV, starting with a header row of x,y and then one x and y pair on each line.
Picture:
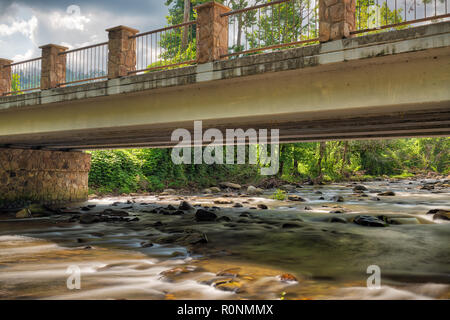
x,y
86,64
376,15
166,48
272,25
25,76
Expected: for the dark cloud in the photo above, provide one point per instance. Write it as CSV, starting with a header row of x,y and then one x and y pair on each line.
x,y
132,6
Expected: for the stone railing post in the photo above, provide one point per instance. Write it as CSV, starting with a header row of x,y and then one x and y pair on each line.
x,y
53,66
212,32
5,76
122,51
336,19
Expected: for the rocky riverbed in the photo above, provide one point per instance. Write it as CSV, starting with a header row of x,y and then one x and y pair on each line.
x,y
229,242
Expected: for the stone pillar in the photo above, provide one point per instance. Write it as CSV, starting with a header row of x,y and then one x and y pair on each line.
x,y
336,19
122,51
41,176
5,76
212,32
53,65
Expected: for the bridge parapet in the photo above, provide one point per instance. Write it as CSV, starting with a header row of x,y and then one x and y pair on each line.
x,y
262,28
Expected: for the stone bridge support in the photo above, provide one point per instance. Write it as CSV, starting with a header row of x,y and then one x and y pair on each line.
x,y
41,176
336,19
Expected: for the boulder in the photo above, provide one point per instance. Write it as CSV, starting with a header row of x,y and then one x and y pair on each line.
x,y
184,205
168,191
337,220
24,213
207,191
291,225
224,219
288,278
223,201
88,218
116,213
237,205
215,189
387,194
442,215
262,206
251,190
205,215
294,197
359,188
338,199
369,221
230,185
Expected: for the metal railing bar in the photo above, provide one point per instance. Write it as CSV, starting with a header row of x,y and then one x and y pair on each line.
x,y
83,80
402,23
25,61
270,47
164,29
230,13
82,48
165,66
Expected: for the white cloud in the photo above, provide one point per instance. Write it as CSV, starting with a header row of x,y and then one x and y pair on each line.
x,y
21,57
25,27
72,20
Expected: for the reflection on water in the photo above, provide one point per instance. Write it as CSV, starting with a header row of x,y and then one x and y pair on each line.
x,y
286,252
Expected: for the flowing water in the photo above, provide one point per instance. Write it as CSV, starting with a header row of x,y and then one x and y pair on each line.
x,y
290,251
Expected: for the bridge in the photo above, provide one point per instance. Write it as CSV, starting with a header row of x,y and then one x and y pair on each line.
x,y
342,82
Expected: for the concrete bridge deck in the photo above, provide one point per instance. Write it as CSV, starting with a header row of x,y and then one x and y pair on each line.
x,y
391,84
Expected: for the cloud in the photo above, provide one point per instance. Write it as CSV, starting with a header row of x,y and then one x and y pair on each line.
x,y
72,20
27,24
24,27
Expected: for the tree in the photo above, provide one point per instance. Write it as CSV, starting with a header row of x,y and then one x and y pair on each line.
x,y
186,18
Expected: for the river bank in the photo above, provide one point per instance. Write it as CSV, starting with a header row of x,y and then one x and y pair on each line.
x,y
317,243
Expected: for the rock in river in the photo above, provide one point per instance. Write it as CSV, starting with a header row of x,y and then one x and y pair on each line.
x,y
440,214
387,194
24,213
184,205
294,197
338,199
251,190
369,221
230,185
88,218
204,215
359,188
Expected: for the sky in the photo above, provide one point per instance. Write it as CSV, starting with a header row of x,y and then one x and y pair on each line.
x,y
27,24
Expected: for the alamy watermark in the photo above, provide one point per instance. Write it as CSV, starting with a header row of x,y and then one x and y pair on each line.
x,y
374,281
234,140
74,280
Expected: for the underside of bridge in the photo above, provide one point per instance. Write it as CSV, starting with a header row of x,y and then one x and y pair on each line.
x,y
393,84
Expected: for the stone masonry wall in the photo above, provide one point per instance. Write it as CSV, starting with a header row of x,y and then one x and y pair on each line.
x,y
212,32
5,76
122,51
336,19
53,66
45,177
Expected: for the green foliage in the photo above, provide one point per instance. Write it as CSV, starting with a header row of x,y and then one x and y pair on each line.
x,y
116,171
279,195
124,171
15,84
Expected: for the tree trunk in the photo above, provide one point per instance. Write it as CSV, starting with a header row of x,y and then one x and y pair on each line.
x,y
322,148
344,157
187,11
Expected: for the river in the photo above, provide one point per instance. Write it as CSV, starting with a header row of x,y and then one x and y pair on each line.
x,y
292,250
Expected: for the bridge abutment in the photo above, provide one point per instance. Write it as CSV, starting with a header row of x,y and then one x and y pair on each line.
x,y
42,176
